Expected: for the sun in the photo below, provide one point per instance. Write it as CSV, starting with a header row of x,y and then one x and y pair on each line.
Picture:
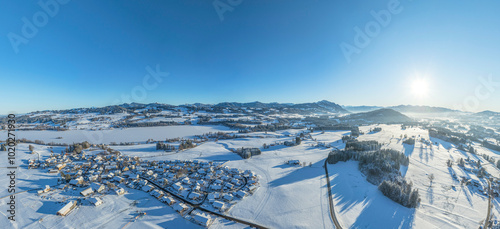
x,y
420,88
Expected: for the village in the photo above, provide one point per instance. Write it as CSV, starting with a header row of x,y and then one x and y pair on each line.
x,y
199,191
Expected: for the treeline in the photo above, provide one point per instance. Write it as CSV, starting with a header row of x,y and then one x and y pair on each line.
x,y
217,135
376,165
163,146
409,141
78,147
400,192
448,135
41,119
268,127
381,168
186,145
205,120
356,145
490,146
148,124
333,127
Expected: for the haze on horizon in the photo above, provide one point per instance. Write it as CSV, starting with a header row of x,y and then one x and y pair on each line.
x,y
377,53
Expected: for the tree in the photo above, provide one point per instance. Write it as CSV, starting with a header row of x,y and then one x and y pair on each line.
x,y
31,148
461,162
431,178
86,145
414,199
449,163
298,140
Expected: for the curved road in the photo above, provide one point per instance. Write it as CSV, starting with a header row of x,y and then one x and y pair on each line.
x,y
487,220
330,200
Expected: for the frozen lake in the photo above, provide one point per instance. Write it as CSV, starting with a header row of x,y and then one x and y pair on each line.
x,y
139,134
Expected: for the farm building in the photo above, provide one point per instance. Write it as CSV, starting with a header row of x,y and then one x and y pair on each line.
x,y
96,201
87,192
67,208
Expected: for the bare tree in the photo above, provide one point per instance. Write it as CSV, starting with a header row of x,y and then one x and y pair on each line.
x,y
431,178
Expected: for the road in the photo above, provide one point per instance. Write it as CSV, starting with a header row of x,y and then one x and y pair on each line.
x,y
197,206
487,221
330,200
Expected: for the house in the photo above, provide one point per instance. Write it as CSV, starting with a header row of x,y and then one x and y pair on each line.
x,y
252,188
293,162
143,182
76,182
60,166
96,201
120,191
218,205
202,219
227,197
46,189
194,196
87,192
216,187
118,179
180,207
177,187
229,186
212,196
169,200
98,187
147,188
157,193
234,181
240,194
66,209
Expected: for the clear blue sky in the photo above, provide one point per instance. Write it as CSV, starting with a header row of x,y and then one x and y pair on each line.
x,y
90,53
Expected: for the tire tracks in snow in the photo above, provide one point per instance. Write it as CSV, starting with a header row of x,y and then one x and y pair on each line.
x,y
269,192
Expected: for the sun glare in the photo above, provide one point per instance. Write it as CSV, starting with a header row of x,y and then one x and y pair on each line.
x,y
420,88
